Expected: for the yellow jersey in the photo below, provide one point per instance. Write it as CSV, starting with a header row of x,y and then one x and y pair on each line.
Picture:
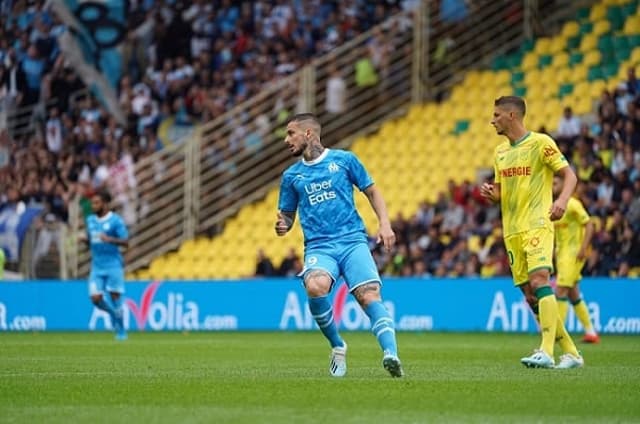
x,y
570,228
525,171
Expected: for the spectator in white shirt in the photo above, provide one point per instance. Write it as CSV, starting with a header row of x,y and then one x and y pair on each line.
x,y
336,92
54,132
569,125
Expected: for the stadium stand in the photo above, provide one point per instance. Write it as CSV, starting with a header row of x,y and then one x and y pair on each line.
x,y
436,148
184,63
422,159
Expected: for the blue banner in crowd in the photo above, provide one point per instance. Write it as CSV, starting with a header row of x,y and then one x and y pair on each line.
x,y
94,31
13,227
280,304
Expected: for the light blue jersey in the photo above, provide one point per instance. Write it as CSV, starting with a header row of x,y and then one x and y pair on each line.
x,y
335,241
321,191
106,256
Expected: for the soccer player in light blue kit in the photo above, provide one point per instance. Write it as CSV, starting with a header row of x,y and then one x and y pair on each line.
x,y
320,188
106,233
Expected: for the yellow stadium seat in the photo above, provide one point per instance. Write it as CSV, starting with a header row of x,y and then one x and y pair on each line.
x,y
584,106
632,25
596,88
502,77
598,12
578,73
560,60
557,44
530,61
535,94
582,87
542,46
532,77
570,29
601,27
549,90
592,58
589,42
563,75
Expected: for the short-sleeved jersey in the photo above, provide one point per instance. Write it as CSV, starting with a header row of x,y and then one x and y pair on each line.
x,y
321,191
525,171
106,255
570,228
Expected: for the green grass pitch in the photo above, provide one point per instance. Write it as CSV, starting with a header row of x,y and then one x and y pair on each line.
x,y
283,378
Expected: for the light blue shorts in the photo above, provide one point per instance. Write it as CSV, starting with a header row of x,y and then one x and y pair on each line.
x,y
106,280
352,261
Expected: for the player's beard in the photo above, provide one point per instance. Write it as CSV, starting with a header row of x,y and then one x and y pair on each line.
x,y
297,152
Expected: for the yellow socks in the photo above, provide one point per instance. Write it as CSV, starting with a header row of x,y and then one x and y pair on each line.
x,y
582,312
548,313
564,339
563,307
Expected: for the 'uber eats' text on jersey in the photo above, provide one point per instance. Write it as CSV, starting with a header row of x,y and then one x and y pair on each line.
x,y
321,191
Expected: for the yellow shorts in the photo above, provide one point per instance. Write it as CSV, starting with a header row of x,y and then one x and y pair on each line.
x,y
529,251
568,271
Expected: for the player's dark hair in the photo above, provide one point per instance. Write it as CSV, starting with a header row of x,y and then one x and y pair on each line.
x,y
307,118
104,195
515,101
304,117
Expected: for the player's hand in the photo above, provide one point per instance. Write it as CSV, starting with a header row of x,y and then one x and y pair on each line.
x,y
387,237
105,238
557,209
486,191
281,225
582,255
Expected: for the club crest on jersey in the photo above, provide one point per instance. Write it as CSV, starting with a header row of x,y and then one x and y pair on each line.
x,y
333,167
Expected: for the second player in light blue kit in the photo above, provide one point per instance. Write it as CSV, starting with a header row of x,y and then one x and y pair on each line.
x,y
106,233
320,189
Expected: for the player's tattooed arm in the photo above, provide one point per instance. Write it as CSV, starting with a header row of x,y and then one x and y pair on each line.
x,y
284,222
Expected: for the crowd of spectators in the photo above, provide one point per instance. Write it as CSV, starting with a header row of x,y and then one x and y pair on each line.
x,y
461,235
190,62
183,63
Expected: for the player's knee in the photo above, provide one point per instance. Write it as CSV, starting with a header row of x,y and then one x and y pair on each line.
x,y
574,293
95,298
317,282
367,293
539,279
562,291
115,295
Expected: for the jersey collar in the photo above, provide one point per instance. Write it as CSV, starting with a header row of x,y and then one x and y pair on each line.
x,y
104,218
521,139
316,160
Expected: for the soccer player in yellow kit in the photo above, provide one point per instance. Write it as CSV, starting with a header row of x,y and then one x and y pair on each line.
x,y
573,234
524,167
